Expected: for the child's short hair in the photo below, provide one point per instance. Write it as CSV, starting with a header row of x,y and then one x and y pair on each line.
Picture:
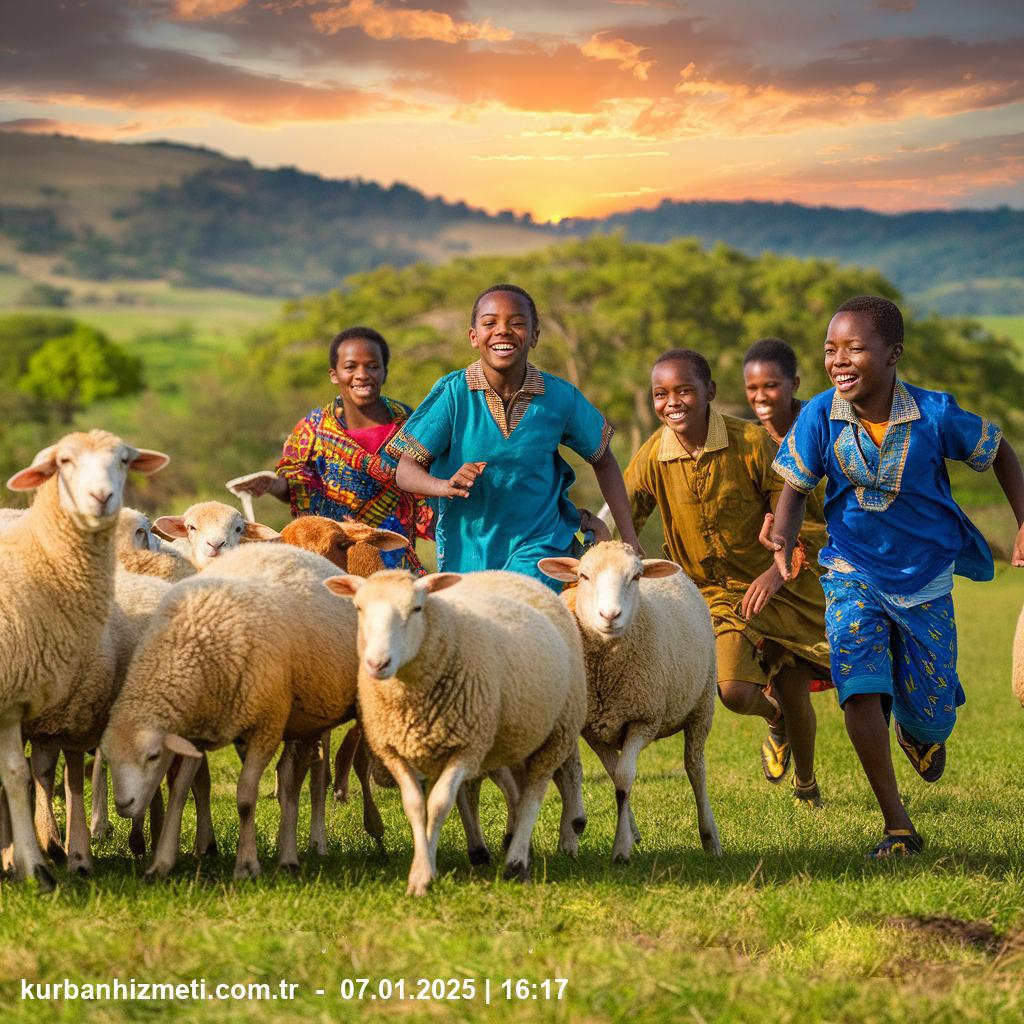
x,y
885,316
687,355
367,334
506,288
775,351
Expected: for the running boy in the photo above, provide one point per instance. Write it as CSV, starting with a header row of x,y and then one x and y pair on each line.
x,y
710,476
895,539
487,438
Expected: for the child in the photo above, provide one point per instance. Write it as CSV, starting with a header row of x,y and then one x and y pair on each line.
x,y
487,438
333,465
895,539
710,476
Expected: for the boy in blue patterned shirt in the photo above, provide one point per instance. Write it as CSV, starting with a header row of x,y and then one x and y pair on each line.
x,y
896,537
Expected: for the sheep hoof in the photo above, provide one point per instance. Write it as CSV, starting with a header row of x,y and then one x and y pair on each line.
x,y
579,824
155,872
56,852
137,844
320,849
480,856
210,850
517,871
292,867
99,830
506,842
44,879
247,870
341,795
620,858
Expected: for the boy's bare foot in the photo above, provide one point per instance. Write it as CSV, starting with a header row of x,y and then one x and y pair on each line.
x,y
928,759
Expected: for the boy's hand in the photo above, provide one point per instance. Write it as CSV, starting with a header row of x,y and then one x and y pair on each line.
x,y
1018,550
460,484
766,529
760,592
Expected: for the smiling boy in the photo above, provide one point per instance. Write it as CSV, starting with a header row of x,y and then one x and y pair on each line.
x,y
896,537
710,476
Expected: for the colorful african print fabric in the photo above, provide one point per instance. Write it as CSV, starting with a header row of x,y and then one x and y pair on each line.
x,y
889,510
330,474
908,655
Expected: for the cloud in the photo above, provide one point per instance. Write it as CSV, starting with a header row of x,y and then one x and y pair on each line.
x,y
195,10
644,190
79,129
601,47
406,23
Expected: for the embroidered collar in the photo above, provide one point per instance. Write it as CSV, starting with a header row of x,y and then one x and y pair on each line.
x,y
904,408
718,438
533,384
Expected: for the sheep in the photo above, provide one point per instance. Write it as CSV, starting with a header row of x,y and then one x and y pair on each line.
x,y
651,669
458,678
57,563
250,651
1018,660
10,516
139,551
206,530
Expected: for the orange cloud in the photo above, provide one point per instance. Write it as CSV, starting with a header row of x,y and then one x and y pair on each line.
x,y
195,10
406,23
600,47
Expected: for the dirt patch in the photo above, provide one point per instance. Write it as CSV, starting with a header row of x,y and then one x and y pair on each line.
x,y
952,931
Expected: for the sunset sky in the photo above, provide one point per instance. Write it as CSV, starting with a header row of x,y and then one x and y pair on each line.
x,y
570,109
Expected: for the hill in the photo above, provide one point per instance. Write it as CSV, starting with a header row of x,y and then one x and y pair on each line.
x,y
97,211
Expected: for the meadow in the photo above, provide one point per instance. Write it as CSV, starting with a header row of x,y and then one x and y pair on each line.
x,y
792,924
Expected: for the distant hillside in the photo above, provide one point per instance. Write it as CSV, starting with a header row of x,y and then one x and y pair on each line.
x,y
956,262
106,211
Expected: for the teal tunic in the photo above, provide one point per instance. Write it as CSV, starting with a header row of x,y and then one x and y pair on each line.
x,y
518,510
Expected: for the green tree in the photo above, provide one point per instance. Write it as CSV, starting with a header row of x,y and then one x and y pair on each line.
x,y
70,372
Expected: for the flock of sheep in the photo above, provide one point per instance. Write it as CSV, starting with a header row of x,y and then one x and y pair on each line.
x,y
155,653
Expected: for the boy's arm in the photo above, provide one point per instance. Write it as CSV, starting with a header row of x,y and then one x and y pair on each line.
x,y
1006,467
785,529
414,478
613,490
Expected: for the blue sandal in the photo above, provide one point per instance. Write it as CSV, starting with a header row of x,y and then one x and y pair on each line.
x,y
896,842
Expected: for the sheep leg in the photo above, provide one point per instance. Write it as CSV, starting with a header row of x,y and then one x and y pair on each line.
x,y
414,805
247,862
439,804
6,843
468,802
637,737
77,845
695,734
99,823
517,860
569,780
156,817
372,821
15,776
206,841
291,770
166,850
610,758
343,762
504,778
44,766
319,781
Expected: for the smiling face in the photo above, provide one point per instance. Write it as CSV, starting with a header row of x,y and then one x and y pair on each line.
x,y
861,365
503,333
681,398
358,372
770,394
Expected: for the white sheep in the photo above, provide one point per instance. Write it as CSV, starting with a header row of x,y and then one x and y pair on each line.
x,y
250,651
140,551
456,679
651,669
208,529
1018,660
57,563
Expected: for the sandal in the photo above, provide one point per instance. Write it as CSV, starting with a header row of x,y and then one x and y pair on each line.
x,y
896,842
807,794
928,759
775,752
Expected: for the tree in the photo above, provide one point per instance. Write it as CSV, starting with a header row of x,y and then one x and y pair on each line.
x,y
74,370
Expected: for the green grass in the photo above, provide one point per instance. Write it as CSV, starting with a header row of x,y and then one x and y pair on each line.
x,y
790,925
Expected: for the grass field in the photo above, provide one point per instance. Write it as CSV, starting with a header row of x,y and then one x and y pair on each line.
x,y
790,925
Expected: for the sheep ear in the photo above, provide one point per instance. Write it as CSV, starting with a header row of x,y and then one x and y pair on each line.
x,y
179,745
170,527
44,465
257,531
656,568
566,569
354,532
436,581
386,540
148,461
343,586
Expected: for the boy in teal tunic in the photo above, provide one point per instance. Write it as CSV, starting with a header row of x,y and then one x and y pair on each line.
x,y
896,537
486,438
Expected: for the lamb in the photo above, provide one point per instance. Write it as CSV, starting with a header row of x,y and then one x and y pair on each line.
x,y
458,678
139,551
651,669
251,651
208,529
57,562
1018,660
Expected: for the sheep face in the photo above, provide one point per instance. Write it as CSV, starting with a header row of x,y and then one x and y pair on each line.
x,y
392,619
138,760
134,532
91,470
608,578
334,541
211,528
